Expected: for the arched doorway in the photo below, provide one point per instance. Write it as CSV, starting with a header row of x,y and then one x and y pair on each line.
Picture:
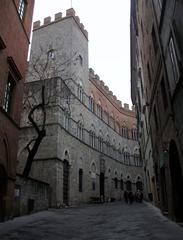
x,y
177,182
66,182
3,181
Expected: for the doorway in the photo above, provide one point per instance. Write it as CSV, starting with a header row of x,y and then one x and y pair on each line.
x,y
66,182
102,187
177,182
163,189
3,183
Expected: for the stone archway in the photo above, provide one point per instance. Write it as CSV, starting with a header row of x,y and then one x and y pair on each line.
x,y
177,182
3,183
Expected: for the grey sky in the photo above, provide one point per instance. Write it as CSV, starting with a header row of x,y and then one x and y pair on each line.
x,y
108,24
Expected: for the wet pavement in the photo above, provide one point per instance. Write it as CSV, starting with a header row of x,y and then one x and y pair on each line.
x,y
110,221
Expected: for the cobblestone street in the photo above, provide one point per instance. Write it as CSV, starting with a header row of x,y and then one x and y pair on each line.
x,y
93,222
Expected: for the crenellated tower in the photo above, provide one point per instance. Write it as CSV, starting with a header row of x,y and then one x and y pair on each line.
x,y
64,43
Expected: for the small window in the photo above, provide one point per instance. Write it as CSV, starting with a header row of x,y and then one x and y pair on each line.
x,y
174,60
80,60
51,54
9,93
80,180
22,8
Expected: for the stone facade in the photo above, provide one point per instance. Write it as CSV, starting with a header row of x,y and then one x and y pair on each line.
x,y
90,150
139,99
30,195
15,27
159,37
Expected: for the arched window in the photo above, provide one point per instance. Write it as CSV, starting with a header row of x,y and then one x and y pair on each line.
x,y
114,148
106,115
111,120
126,155
134,134
124,132
80,130
117,127
100,141
91,103
136,157
99,109
92,136
93,176
108,145
66,120
80,92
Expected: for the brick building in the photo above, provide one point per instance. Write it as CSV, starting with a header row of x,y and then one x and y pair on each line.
x,y
160,49
15,28
90,150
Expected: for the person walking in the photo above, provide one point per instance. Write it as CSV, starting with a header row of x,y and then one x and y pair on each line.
x,y
125,196
130,197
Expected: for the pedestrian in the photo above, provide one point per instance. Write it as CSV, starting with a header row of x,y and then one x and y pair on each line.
x,y
130,197
139,196
125,196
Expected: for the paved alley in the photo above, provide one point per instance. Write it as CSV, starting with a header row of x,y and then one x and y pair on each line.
x,y
110,221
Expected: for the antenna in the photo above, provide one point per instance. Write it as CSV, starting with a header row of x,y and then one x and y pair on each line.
x,y
71,3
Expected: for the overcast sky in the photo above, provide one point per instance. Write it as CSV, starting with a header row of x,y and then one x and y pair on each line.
x,y
108,25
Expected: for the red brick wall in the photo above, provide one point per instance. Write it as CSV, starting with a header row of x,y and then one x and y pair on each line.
x,y
15,35
16,39
121,115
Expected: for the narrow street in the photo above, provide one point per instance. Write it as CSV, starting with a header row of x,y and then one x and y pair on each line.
x,y
110,221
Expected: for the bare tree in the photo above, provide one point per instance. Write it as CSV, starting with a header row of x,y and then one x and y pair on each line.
x,y
41,68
